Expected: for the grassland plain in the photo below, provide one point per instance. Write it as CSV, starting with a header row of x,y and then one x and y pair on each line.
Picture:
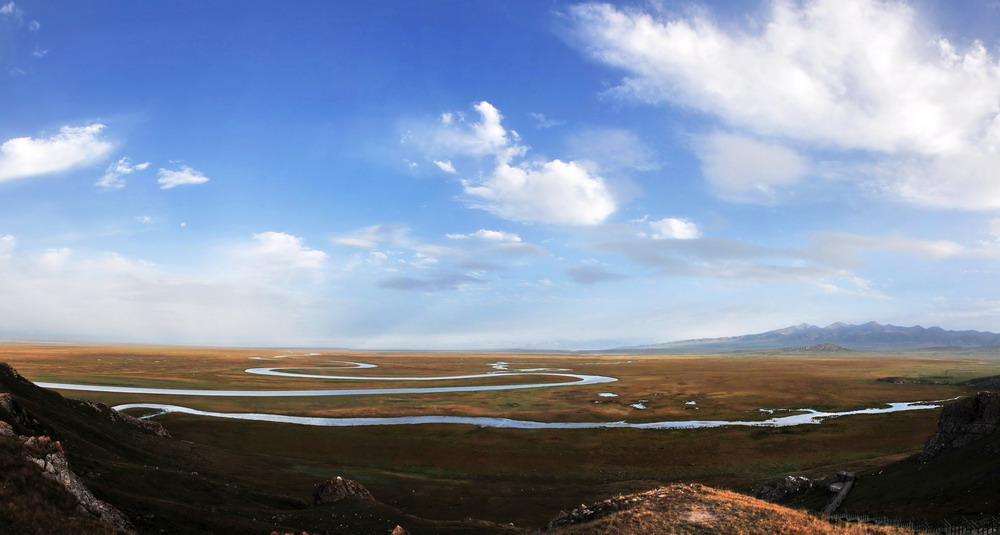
x,y
526,476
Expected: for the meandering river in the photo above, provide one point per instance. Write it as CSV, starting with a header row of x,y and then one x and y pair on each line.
x,y
796,416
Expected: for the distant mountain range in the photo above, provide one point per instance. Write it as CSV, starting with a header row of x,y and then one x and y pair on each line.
x,y
871,336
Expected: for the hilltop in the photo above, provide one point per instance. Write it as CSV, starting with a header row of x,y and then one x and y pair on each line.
x,y
690,509
867,336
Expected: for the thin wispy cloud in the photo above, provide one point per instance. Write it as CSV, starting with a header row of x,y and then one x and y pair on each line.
x,y
185,176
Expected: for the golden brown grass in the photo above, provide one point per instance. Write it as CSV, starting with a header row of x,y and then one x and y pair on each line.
x,y
695,509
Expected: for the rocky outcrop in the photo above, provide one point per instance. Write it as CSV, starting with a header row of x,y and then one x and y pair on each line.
x,y
910,381
780,488
49,456
589,513
338,488
963,422
20,420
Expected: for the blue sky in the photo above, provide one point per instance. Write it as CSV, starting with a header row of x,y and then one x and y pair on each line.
x,y
455,174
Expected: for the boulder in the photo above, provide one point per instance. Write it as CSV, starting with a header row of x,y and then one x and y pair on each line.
x,y
338,488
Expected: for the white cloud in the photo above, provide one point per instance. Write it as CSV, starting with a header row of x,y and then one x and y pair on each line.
x,y
562,193
853,286
558,192
833,74
72,147
34,26
145,219
487,235
744,169
184,176
39,53
673,228
278,250
112,178
445,166
11,10
486,137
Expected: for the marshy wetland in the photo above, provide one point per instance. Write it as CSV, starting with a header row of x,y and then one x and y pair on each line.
x,y
454,466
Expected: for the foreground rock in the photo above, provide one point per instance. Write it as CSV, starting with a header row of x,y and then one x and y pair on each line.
x,y
40,491
51,459
963,422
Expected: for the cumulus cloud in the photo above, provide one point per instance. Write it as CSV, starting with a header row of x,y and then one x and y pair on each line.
x,y
745,169
72,147
458,136
673,228
563,193
181,177
113,177
487,235
278,250
832,74
557,192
